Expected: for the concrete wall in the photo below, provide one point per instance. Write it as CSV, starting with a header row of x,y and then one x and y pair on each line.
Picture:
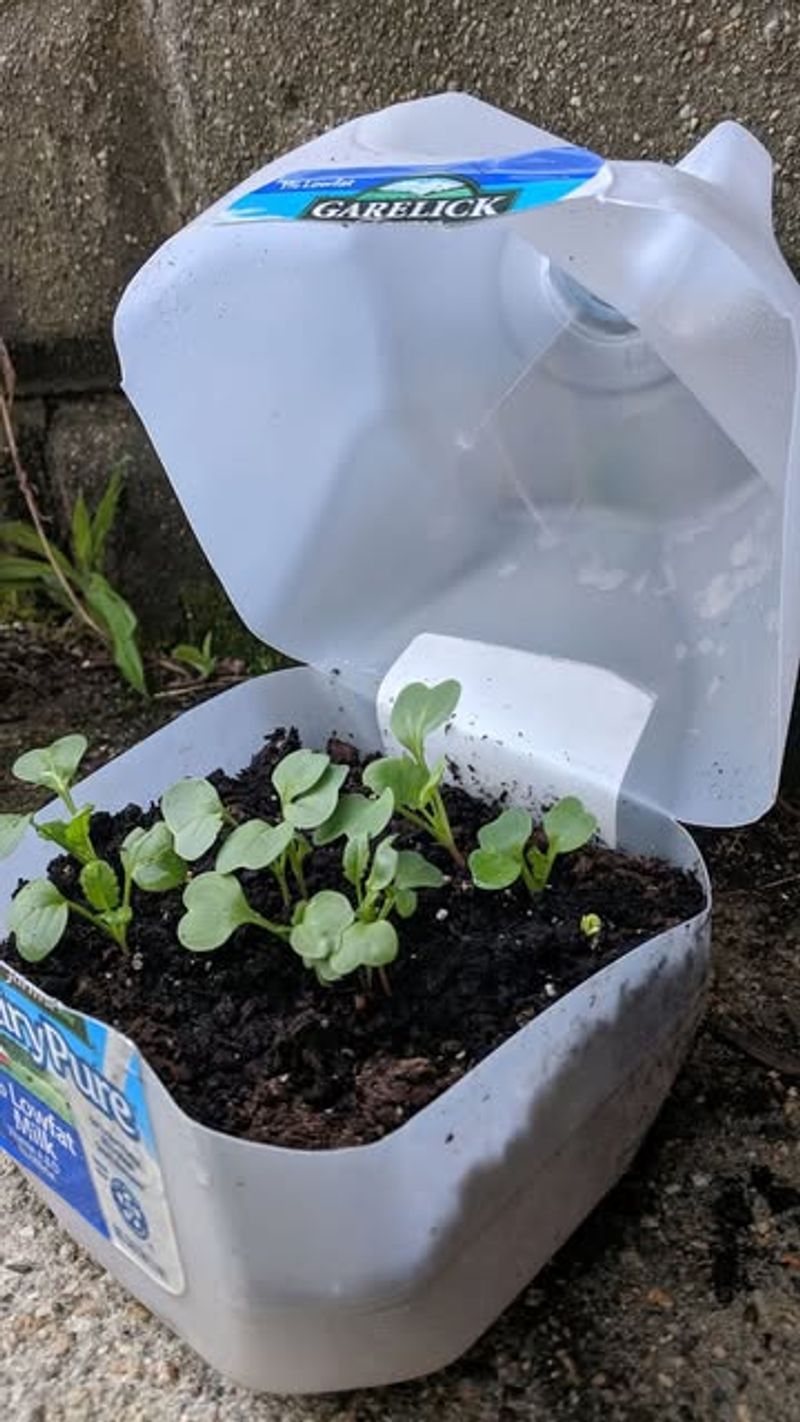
x,y
121,118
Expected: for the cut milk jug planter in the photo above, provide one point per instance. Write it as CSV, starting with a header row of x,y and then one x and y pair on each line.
x,y
445,397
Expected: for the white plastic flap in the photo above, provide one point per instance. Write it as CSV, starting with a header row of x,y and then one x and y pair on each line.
x,y
567,429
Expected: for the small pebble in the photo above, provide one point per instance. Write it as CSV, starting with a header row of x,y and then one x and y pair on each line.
x,y
441,915
550,990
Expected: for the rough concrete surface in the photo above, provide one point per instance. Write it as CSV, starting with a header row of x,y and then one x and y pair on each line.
x,y
118,118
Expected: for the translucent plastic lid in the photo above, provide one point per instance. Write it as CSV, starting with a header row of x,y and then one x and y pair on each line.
x,y
528,398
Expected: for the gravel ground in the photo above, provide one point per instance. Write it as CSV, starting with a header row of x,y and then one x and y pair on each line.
x,y
678,1300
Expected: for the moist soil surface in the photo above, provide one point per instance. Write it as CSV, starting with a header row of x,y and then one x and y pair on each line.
x,y
250,1043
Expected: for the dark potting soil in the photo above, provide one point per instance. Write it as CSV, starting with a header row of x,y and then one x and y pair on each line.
x,y
249,1043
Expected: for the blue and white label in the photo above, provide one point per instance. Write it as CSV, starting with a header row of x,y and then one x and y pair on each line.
x,y
457,192
73,1112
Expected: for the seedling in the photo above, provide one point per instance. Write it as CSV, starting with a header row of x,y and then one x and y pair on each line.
x,y
308,787
200,659
39,912
507,853
216,906
53,768
194,814
334,937
591,926
418,711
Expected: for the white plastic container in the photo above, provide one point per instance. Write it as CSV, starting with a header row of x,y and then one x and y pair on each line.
x,y
423,425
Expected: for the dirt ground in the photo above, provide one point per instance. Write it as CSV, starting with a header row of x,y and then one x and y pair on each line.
x,y
679,1299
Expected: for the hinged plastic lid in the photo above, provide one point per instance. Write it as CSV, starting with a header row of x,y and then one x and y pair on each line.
x,y
568,428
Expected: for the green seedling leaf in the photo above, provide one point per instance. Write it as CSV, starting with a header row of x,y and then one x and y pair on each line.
x,y
498,862
298,772
405,902
432,783
148,856
71,835
384,866
400,775
81,535
568,825
591,925
194,813
120,622
38,918
54,766
253,845
363,945
493,871
215,907
355,859
100,885
12,832
116,922
420,709
357,815
414,871
318,933
508,834
311,809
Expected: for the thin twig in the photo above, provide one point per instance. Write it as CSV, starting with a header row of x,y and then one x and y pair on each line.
x,y
756,1048
195,686
6,401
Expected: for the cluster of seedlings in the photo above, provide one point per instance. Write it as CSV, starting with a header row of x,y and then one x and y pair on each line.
x,y
336,932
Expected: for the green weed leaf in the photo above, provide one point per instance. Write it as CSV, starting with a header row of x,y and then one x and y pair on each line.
x,y
194,813
201,659
103,519
120,622
38,918
81,535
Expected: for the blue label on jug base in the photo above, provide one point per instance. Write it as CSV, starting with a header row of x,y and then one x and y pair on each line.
x,y
73,1112
463,192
